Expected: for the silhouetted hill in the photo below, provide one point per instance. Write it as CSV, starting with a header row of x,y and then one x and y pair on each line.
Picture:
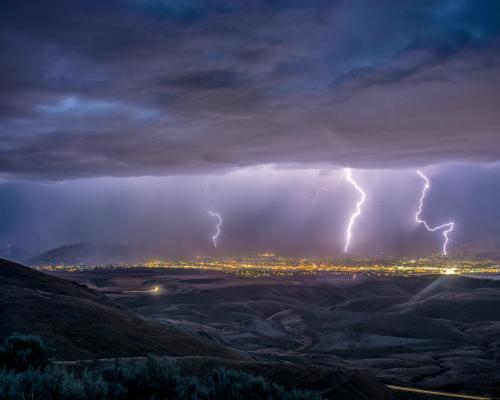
x,y
81,323
86,253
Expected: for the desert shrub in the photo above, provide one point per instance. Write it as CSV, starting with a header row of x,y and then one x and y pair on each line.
x,y
226,384
95,387
57,384
50,384
27,373
162,378
191,388
116,391
22,352
154,379
302,395
8,384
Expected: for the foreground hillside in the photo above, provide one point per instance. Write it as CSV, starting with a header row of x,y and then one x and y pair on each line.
x,y
80,323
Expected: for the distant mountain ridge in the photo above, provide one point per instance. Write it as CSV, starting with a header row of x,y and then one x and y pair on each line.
x,y
86,253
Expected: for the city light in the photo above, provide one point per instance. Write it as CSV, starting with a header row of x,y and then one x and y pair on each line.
x,y
275,265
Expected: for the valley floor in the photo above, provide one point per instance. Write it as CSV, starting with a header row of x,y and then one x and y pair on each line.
x,y
430,332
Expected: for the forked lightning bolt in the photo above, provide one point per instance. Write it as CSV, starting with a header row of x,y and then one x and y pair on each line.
x,y
447,228
214,237
358,208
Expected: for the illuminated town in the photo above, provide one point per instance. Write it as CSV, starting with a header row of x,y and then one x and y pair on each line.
x,y
268,264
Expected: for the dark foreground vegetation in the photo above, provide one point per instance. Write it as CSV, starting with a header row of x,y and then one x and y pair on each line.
x,y
27,372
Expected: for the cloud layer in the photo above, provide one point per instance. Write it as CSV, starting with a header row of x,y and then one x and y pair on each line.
x,y
137,87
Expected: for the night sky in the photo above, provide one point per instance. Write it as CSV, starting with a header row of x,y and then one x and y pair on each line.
x,y
126,121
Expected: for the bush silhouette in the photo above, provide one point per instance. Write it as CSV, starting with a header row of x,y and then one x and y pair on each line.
x,y
155,379
50,384
224,384
22,352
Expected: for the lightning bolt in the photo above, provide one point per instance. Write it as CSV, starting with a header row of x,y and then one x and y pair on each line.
x,y
314,201
447,228
214,237
358,208
205,187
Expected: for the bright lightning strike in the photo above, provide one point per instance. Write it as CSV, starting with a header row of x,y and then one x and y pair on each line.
x,y
447,228
214,237
358,208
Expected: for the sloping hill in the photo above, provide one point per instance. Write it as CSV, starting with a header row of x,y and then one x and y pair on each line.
x,y
454,298
80,323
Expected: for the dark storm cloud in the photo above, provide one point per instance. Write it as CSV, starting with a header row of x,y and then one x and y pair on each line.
x,y
205,80
92,88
